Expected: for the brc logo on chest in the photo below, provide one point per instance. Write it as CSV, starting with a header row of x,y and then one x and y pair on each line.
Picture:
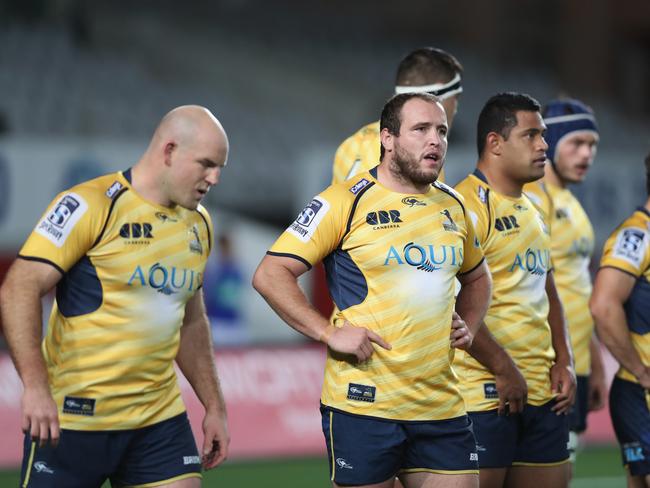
x,y
137,230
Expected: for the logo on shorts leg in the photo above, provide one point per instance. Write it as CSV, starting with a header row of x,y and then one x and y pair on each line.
x,y
473,456
191,460
342,463
633,452
42,467
361,393
490,390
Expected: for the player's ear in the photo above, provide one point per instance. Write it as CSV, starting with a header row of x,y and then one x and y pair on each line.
x,y
168,150
493,143
387,139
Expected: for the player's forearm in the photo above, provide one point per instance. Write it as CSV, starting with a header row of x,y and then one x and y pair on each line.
x,y
559,332
487,351
473,301
20,305
611,325
280,289
596,366
195,359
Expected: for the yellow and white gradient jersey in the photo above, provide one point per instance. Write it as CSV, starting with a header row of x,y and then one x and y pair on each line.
x,y
129,267
359,153
391,261
516,244
628,249
572,245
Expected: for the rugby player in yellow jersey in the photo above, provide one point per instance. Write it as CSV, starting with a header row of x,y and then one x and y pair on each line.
x,y
620,304
425,70
393,241
572,138
126,252
525,315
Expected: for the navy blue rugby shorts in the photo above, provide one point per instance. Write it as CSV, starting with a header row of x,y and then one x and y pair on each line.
x,y
366,450
162,452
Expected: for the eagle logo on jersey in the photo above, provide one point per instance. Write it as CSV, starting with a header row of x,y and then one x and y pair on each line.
x,y
195,241
449,226
482,194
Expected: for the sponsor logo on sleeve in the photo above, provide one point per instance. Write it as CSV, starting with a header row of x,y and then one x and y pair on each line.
x,y
631,245
57,224
307,222
361,184
113,189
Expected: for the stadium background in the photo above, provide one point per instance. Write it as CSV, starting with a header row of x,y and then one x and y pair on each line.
x,y
83,84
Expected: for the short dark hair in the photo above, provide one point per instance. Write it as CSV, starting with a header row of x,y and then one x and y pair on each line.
x,y
647,173
427,65
391,114
500,115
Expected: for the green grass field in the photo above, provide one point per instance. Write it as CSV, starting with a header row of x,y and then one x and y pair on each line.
x,y
596,468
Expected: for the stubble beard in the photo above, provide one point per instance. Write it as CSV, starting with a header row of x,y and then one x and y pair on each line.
x,y
406,168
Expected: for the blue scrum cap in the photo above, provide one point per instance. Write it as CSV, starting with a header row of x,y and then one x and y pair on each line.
x,y
563,117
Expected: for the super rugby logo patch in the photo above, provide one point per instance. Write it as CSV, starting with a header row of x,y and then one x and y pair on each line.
x,y
307,222
630,246
59,222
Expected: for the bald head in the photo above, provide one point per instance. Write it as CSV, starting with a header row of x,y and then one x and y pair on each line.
x,y
191,124
184,159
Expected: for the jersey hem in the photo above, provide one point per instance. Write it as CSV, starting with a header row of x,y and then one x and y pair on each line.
x,y
387,419
619,269
42,260
477,265
289,255
142,426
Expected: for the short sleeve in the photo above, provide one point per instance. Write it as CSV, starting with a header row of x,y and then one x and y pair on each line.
x,y
317,231
472,251
66,231
627,249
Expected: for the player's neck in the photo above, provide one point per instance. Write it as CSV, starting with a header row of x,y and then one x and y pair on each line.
x,y
647,204
145,184
398,183
551,176
499,181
